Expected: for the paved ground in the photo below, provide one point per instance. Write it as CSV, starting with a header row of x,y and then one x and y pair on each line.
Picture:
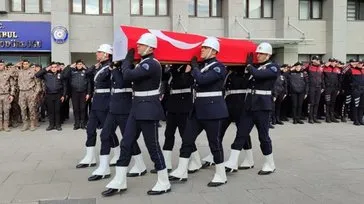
x,y
315,164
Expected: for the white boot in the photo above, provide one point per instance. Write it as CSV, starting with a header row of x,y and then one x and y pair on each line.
x,y
195,162
248,162
168,158
232,163
219,177
119,181
89,159
104,168
139,168
181,172
162,185
268,166
116,156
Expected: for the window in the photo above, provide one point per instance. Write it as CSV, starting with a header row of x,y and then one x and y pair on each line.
x,y
310,9
259,8
149,7
353,56
355,10
205,8
30,6
91,7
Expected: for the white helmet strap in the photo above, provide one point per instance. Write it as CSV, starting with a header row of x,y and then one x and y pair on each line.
x,y
146,51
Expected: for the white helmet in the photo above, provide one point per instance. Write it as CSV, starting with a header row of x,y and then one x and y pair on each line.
x,y
212,42
264,48
148,39
105,48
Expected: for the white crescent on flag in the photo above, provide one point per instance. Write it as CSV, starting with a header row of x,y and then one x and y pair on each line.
x,y
174,42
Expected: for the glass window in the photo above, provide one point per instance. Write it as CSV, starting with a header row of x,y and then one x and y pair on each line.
x,y
203,8
149,7
77,6
361,11
304,9
135,7
258,8
316,9
46,6
255,9
106,7
268,9
92,7
310,9
16,5
162,7
192,8
32,6
216,7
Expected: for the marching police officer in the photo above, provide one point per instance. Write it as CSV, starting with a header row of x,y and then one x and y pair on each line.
x,y
258,105
357,86
146,111
100,104
315,87
178,105
280,93
332,86
80,91
209,110
56,90
298,90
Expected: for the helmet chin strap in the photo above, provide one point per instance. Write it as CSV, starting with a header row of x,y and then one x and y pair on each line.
x,y
209,54
146,51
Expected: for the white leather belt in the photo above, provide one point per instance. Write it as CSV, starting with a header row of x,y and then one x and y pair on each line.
x,y
237,91
209,94
102,90
179,91
261,92
147,93
124,90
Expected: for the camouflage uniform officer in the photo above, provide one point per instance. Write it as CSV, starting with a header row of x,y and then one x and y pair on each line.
x,y
7,92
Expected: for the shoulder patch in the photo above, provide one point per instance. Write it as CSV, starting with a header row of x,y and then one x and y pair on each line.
x,y
217,69
145,66
274,68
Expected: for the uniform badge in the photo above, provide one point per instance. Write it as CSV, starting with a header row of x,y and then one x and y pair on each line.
x,y
274,69
217,69
59,76
282,78
145,66
302,75
82,74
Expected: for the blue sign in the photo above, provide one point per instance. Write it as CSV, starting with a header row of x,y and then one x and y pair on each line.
x,y
25,36
60,34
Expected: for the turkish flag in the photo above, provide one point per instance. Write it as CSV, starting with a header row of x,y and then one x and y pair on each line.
x,y
176,47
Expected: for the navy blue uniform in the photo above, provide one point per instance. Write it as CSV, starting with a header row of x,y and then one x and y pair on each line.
x,y
298,88
178,103
357,86
146,110
315,85
332,87
279,92
258,105
55,89
100,101
209,110
345,82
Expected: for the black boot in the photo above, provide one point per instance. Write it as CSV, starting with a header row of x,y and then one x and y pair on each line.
x,y
76,126
279,122
327,114
294,121
310,114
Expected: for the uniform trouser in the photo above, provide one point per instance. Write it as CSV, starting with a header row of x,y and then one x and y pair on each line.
x,y
65,109
79,106
278,106
330,101
247,121
297,101
314,95
149,128
54,108
194,127
358,108
108,137
27,101
174,120
5,106
96,119
346,108
225,125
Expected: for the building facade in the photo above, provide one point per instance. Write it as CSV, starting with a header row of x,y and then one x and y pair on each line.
x,y
297,29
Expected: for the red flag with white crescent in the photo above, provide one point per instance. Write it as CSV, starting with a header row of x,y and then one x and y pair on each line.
x,y
180,47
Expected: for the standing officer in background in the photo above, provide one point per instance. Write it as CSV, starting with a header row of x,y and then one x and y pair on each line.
x,y
27,83
346,88
315,88
80,91
357,86
55,94
178,104
332,87
144,115
279,93
258,105
209,110
7,93
297,83
100,105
